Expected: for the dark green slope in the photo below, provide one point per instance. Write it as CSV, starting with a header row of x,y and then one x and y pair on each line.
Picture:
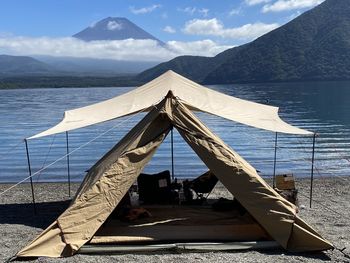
x,y
314,46
193,67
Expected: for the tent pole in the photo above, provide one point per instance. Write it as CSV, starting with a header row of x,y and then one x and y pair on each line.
x,y
172,154
68,167
312,167
30,176
274,162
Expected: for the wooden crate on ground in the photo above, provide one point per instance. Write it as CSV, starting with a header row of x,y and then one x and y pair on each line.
x,y
285,186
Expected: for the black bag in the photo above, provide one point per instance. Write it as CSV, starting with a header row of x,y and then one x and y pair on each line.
x,y
154,188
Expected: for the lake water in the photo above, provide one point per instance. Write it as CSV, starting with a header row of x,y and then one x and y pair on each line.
x,y
318,106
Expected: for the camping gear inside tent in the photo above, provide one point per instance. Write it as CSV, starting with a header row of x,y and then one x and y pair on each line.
x,y
88,219
204,184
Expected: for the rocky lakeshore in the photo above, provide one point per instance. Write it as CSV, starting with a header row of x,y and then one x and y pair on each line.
x,y
330,215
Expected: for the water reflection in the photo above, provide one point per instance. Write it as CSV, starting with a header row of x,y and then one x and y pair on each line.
x,y
316,106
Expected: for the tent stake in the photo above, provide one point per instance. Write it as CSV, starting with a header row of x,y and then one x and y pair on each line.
x,y
172,154
30,176
68,168
274,163
312,167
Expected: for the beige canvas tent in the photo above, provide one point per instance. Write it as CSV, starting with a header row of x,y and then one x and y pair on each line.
x,y
111,177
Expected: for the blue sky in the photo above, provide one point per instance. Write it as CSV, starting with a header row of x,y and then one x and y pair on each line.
x,y
210,26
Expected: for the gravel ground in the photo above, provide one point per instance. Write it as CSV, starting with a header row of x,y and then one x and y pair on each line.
x,y
330,215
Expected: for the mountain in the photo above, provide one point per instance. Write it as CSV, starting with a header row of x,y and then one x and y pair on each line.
x,y
69,66
313,46
107,29
193,67
94,66
114,28
21,65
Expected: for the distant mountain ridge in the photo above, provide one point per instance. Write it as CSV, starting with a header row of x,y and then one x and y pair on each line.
x,y
12,66
23,65
95,67
313,46
114,28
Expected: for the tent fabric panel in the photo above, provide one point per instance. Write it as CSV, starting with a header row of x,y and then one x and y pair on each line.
x,y
48,244
82,219
303,240
195,96
92,208
136,137
112,176
304,237
95,201
274,213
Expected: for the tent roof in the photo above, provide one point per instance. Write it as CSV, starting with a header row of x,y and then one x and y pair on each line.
x,y
194,96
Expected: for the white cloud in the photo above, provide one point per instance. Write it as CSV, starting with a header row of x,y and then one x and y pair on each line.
x,y
143,10
114,25
203,27
197,48
256,2
129,49
192,10
214,27
169,29
285,5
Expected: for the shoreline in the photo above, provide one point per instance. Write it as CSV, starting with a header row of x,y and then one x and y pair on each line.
x,y
117,81
267,178
329,215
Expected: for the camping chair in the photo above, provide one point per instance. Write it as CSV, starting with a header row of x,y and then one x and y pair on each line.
x,y
204,184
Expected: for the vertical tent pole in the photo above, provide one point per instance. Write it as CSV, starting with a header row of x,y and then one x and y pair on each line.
x,y
68,168
30,176
172,154
274,163
312,167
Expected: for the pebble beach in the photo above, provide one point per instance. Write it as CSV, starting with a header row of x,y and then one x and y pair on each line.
x,y
329,214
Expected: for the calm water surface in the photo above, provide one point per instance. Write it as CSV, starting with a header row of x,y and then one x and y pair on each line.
x,y
321,106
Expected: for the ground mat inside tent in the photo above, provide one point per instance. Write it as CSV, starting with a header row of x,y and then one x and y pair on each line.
x,y
181,223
